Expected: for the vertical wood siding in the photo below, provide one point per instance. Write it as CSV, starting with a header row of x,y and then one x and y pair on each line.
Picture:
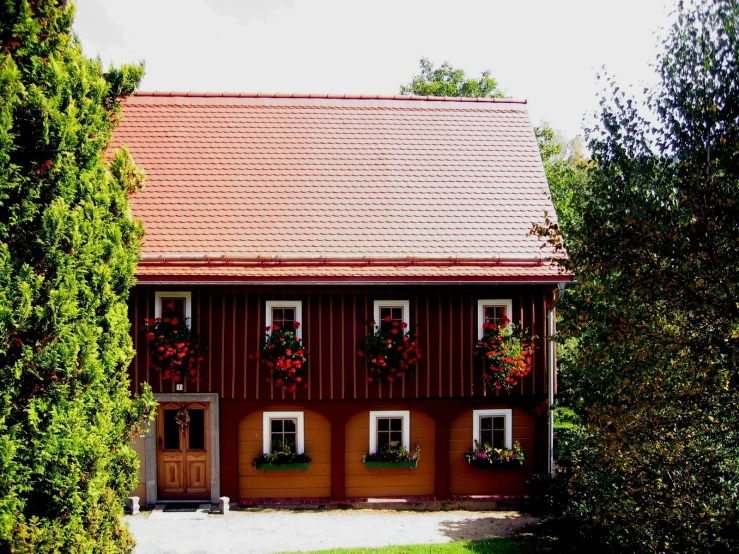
x,y
313,482
232,321
363,482
467,480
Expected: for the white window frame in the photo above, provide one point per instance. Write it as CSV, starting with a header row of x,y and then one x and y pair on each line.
x,y
299,429
296,304
506,413
405,414
481,304
405,304
161,294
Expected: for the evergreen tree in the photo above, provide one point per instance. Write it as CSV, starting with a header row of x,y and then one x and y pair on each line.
x,y
655,247
68,250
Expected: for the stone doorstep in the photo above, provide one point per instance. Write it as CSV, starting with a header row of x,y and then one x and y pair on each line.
x,y
201,513
410,503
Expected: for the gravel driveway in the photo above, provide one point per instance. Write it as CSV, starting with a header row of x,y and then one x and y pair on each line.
x,y
280,530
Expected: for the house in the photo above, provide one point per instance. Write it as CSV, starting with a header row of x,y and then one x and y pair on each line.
x,y
334,211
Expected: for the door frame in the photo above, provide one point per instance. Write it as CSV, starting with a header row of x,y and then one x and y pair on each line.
x,y
150,443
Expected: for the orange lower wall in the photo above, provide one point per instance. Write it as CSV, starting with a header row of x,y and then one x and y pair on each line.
x,y
363,482
467,480
313,482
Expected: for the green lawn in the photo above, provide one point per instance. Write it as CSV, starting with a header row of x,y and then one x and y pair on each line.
x,y
518,545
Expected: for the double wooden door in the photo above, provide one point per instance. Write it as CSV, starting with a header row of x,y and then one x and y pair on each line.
x,y
183,451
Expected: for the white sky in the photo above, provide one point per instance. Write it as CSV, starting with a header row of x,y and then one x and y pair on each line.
x,y
545,51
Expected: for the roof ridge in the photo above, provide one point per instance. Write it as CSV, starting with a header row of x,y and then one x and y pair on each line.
x,y
313,96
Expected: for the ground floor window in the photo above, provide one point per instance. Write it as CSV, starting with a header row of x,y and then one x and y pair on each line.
x,y
283,432
493,427
389,429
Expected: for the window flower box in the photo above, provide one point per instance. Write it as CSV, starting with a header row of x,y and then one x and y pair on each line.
x,y
284,467
412,464
281,461
393,458
487,456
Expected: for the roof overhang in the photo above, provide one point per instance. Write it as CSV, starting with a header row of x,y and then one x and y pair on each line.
x,y
222,269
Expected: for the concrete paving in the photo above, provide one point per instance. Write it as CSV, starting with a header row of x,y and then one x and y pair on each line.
x,y
269,531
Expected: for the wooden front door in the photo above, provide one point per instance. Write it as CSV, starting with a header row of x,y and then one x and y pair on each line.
x,y
183,451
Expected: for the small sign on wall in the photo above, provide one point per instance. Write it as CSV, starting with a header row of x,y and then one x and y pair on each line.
x,y
179,386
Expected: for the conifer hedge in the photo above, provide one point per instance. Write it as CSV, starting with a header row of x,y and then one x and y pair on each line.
x,y
68,250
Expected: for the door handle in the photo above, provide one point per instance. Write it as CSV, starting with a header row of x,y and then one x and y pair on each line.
x,y
160,443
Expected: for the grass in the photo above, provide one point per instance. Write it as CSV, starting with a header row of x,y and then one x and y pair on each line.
x,y
517,545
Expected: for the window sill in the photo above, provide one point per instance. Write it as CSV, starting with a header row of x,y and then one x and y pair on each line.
x,y
284,467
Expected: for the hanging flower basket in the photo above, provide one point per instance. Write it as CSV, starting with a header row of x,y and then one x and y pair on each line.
x,y
506,355
174,348
487,456
389,353
282,352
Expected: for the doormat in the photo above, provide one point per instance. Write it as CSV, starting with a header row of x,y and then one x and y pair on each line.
x,y
181,507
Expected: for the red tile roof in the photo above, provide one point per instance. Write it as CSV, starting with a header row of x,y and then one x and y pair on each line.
x,y
336,187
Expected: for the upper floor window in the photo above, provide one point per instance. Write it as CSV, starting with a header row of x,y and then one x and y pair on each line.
x,y
493,311
389,313
173,305
285,313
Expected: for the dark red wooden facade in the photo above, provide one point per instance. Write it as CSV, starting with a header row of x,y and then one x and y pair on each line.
x,y
232,321
448,379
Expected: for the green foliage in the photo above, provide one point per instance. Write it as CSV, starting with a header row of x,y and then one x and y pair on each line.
x,y
566,169
68,250
446,80
655,246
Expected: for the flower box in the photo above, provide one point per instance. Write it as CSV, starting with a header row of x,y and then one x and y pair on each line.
x,y
411,464
281,461
485,455
499,464
284,467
